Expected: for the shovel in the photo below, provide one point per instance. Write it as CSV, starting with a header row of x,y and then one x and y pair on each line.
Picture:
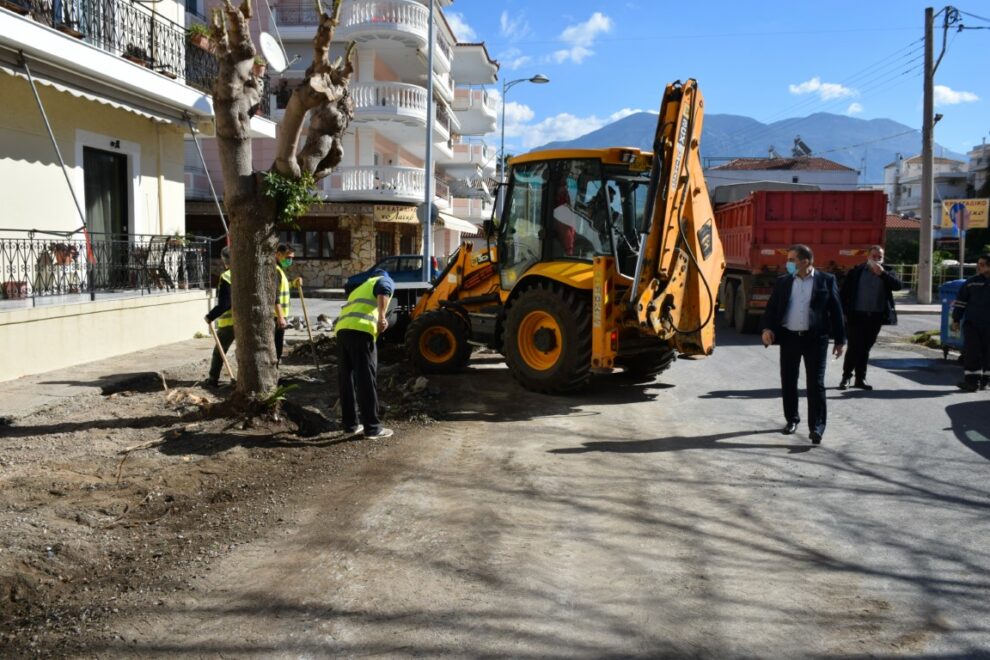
x,y
213,331
302,301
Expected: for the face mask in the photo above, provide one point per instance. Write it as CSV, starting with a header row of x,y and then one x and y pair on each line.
x,y
791,267
285,263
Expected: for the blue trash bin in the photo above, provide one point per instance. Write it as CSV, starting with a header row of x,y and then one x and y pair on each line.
x,y
947,293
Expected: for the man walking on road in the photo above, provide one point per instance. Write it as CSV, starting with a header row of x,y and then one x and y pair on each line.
x,y
361,320
803,311
972,309
868,302
224,317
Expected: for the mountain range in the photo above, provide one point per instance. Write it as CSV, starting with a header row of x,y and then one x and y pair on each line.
x,y
866,145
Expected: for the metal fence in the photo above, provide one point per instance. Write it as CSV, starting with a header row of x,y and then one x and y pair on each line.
x,y
33,267
908,274
122,28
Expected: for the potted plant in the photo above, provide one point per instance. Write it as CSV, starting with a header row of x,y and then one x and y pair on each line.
x,y
137,55
260,66
199,35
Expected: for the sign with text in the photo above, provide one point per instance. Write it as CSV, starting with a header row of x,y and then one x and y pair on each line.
x,y
964,214
385,213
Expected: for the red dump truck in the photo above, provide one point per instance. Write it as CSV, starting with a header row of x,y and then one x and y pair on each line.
x,y
838,225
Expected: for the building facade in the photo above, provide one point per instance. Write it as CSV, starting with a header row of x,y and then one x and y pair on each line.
x,y
98,97
373,197
902,183
979,167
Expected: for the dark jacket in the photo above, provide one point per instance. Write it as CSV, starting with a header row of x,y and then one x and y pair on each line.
x,y
850,289
826,310
223,302
973,302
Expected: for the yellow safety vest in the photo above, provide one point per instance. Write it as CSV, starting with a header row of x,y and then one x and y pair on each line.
x,y
361,310
226,319
283,293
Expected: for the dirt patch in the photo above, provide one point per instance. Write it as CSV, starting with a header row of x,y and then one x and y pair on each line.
x,y
127,496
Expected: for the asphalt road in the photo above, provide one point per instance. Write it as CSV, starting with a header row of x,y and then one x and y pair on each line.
x,y
670,519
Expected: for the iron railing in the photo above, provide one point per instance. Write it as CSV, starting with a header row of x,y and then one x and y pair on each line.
x,y
121,28
59,265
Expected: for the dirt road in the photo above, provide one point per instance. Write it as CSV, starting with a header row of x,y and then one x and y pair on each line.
x,y
667,519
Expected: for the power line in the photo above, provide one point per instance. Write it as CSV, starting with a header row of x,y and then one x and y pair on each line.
x,y
966,13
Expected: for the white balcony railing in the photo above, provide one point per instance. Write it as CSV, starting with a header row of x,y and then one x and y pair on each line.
x,y
473,99
381,182
477,153
472,209
400,99
371,17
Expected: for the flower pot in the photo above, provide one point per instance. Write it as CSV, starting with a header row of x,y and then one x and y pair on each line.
x,y
201,41
15,289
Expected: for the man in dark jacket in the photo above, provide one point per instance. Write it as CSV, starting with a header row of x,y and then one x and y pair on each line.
x,y
803,312
868,302
972,309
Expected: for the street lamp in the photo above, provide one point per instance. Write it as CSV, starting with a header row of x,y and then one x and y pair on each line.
x,y
539,79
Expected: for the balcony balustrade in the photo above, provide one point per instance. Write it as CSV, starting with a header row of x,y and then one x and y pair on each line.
x,y
376,183
375,100
120,28
403,20
473,99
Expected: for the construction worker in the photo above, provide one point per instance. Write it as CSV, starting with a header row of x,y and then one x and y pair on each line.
x,y
361,320
283,260
972,309
224,317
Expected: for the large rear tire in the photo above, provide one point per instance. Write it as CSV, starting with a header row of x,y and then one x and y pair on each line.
x,y
547,339
730,302
437,342
745,323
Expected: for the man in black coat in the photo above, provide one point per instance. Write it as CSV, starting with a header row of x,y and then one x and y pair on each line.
x,y
868,302
804,310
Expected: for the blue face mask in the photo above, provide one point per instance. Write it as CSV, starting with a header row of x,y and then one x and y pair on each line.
x,y
791,268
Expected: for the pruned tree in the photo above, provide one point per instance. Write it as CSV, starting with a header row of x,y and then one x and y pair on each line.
x,y
257,202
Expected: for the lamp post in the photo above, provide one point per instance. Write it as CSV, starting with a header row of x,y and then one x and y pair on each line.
x,y
539,79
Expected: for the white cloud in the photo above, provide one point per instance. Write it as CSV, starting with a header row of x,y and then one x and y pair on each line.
x,y
513,29
854,108
517,113
581,37
462,31
563,126
947,96
826,91
513,59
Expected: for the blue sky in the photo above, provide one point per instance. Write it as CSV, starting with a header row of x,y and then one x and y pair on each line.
x,y
768,60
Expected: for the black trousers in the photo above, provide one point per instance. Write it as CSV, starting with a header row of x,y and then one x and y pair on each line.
x,y
226,337
862,329
357,373
279,342
976,352
813,350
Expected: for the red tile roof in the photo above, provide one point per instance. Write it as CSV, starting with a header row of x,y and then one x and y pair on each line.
x,y
809,163
895,221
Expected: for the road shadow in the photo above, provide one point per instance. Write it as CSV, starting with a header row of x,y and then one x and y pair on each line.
x,y
136,382
923,371
895,395
971,425
681,443
766,393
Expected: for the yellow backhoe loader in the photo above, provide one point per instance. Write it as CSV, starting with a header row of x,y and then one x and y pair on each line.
x,y
601,259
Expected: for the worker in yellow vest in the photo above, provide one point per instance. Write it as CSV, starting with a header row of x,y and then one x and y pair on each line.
x,y
361,320
283,260
224,317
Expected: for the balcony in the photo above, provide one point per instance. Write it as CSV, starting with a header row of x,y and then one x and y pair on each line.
x,y
473,209
476,153
476,111
120,28
376,183
396,102
404,21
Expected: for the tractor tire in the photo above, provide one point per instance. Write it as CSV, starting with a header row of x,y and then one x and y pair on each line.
x,y
437,342
646,367
730,302
547,339
744,323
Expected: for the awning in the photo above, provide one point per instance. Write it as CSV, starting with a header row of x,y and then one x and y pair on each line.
x,y
89,96
456,224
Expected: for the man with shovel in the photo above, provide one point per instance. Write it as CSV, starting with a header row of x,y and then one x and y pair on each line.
x,y
224,318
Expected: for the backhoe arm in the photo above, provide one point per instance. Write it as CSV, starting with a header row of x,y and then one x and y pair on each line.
x,y
681,261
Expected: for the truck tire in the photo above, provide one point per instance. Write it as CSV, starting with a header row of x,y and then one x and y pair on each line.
x,y
547,339
730,302
745,323
648,366
437,342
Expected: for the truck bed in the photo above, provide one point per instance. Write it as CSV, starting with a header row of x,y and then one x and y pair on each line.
x,y
839,226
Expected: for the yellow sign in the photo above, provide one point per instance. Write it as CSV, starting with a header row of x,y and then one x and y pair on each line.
x,y
964,213
395,214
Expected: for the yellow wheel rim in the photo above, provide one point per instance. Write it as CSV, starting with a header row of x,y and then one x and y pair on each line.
x,y
539,340
437,344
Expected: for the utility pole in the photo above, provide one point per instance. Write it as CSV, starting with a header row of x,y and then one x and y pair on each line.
x,y
924,292
427,214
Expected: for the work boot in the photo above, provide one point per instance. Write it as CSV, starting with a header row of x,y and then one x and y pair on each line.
x,y
968,385
844,383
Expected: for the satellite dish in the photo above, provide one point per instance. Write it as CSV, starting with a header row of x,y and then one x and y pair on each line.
x,y
273,52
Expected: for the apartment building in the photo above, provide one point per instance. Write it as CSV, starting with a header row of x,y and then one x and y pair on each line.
x,y
979,166
373,197
98,96
902,183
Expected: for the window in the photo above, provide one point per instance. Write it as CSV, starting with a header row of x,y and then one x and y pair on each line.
x,y
521,237
578,223
384,244
319,244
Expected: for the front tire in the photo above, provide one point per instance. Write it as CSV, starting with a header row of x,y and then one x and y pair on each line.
x,y
547,339
437,342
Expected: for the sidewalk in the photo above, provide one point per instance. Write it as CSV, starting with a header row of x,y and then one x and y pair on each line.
x,y
25,395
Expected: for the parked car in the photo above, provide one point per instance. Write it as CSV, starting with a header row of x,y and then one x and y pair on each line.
x,y
401,268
